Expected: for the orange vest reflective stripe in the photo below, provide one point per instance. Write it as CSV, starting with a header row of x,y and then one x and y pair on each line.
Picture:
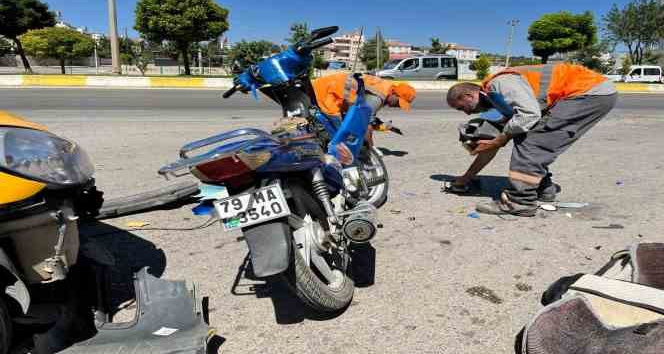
x,y
553,82
332,90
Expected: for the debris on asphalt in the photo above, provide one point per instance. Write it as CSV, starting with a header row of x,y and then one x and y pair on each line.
x,y
484,293
610,227
474,215
412,218
445,242
572,205
380,226
488,229
137,224
203,209
523,287
598,247
527,249
395,211
459,210
620,182
548,207
569,215
409,194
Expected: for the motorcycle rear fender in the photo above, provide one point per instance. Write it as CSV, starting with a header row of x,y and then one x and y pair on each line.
x,y
15,287
269,246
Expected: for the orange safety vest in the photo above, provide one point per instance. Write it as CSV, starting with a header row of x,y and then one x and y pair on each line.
x,y
333,90
553,82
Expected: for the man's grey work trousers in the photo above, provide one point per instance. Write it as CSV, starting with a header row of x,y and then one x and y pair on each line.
x,y
534,151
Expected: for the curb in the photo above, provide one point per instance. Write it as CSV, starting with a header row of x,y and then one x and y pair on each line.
x,y
139,82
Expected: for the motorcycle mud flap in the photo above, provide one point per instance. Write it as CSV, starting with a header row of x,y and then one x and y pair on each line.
x,y
168,320
269,246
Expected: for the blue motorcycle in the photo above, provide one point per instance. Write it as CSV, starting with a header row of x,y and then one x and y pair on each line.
x,y
301,212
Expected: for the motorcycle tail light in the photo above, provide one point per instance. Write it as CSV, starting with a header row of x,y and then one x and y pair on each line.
x,y
229,170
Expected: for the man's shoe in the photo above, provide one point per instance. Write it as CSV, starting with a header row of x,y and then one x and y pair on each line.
x,y
547,190
506,207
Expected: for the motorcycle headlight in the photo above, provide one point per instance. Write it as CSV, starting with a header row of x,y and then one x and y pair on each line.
x,y
43,157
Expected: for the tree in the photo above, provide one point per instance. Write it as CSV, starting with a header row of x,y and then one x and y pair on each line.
x,y
561,32
298,31
626,65
57,42
482,66
638,26
104,47
20,16
247,53
437,48
182,22
142,56
368,54
5,47
592,57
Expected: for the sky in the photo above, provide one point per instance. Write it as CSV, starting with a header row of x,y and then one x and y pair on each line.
x,y
479,24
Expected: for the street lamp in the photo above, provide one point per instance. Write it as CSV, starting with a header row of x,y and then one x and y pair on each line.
x,y
512,24
115,45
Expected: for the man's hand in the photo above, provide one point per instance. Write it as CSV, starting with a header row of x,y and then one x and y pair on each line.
x,y
344,154
493,144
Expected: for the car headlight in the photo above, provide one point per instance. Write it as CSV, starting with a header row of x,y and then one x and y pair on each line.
x,y
43,157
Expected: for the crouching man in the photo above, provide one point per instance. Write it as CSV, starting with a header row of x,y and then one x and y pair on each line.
x,y
545,108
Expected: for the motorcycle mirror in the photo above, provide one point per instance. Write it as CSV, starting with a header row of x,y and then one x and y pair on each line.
x,y
236,68
319,33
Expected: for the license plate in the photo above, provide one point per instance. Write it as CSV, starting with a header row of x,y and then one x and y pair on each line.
x,y
252,208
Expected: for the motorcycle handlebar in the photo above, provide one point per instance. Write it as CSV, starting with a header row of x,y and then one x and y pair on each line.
x,y
230,92
313,45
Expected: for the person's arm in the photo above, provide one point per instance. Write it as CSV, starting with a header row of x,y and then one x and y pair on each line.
x,y
478,164
517,93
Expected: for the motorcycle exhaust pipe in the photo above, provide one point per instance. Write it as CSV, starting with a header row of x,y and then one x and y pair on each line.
x,y
360,224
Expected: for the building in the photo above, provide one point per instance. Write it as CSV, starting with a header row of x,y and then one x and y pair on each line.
x,y
399,50
345,48
462,52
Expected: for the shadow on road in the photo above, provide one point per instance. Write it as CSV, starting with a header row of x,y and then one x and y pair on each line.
x,y
288,309
128,252
481,186
388,152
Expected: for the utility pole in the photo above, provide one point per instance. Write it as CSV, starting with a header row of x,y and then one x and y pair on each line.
x,y
96,59
115,45
200,60
512,24
378,48
357,52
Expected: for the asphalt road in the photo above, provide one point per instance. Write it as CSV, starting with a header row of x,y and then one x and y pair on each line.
x,y
430,255
208,102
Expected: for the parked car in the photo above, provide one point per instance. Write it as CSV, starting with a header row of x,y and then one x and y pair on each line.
x,y
425,67
638,73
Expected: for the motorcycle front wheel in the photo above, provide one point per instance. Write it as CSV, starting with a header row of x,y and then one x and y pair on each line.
x,y
373,167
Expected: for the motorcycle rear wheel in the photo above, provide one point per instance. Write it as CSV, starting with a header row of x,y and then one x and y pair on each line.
x,y
305,281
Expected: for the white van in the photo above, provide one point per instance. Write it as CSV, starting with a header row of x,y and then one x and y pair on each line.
x,y
423,67
639,73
